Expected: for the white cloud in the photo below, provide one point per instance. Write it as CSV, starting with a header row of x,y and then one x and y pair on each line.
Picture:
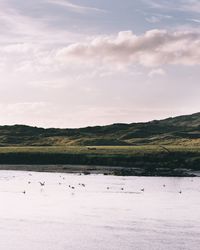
x,y
16,27
156,18
157,72
154,48
23,108
54,84
74,7
180,5
191,5
153,19
194,20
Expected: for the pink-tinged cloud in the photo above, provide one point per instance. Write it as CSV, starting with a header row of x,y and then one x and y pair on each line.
x,y
154,48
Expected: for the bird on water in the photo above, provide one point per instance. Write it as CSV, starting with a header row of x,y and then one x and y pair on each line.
x,y
42,183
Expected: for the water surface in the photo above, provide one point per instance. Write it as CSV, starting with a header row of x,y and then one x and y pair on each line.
x,y
109,213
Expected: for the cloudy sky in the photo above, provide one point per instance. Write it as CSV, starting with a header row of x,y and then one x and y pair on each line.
x,y
86,62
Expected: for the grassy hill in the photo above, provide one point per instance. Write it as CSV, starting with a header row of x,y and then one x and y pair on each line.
x,y
169,147
182,130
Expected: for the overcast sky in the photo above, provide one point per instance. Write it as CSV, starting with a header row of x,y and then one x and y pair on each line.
x,y
93,62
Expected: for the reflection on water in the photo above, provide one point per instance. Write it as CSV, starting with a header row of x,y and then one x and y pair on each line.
x,y
98,212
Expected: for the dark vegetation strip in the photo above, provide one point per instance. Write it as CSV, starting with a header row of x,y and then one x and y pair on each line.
x,y
162,163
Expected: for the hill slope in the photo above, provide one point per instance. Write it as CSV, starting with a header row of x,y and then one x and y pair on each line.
x,y
182,130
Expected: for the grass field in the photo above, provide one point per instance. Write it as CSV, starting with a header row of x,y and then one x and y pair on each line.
x,y
100,150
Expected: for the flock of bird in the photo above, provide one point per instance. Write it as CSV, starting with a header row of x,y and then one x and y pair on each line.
x,y
42,184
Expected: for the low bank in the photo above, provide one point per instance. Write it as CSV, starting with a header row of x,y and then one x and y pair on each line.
x,y
125,161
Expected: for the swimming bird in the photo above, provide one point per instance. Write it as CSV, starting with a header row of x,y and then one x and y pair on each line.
x,y
108,188
29,182
122,188
42,183
83,185
180,192
24,192
142,189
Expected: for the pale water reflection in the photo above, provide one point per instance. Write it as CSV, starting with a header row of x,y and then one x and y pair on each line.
x,y
105,213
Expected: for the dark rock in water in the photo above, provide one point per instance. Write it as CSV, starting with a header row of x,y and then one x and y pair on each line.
x,y
162,172
86,173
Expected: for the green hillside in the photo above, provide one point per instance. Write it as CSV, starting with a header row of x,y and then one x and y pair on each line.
x,y
182,130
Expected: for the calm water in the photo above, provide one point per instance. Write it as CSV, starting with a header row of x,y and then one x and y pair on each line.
x,y
55,217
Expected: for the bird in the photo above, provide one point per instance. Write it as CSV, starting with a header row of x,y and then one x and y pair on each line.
x,y
107,187
122,188
73,187
29,182
180,192
142,189
24,192
164,185
83,185
42,183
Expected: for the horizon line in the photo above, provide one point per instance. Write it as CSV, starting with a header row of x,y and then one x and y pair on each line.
x,y
92,126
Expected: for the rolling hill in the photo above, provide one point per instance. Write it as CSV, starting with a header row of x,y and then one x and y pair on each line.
x,y
181,130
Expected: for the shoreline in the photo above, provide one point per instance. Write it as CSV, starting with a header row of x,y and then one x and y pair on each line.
x,y
121,161
104,170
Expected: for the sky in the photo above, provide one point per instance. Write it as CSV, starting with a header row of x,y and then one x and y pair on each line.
x,y
82,63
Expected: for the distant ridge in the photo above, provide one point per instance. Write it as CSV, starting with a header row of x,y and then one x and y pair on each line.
x,y
180,130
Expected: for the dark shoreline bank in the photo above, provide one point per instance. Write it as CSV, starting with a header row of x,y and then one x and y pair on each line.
x,y
105,170
122,161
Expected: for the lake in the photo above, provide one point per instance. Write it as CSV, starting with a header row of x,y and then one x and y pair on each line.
x,y
106,213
